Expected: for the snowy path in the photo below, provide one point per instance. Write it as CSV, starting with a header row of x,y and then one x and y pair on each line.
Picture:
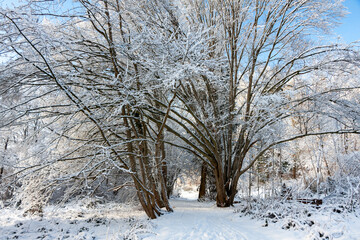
x,y
194,220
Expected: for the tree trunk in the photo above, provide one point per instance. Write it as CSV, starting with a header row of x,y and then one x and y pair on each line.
x,y
202,189
1,173
149,200
221,197
144,199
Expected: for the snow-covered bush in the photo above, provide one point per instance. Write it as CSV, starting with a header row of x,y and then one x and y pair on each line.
x,y
344,186
323,222
137,227
349,165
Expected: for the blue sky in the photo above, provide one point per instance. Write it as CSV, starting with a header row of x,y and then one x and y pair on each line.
x,y
349,31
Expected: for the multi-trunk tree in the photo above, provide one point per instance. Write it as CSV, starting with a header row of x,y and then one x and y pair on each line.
x,y
85,79
115,82
253,81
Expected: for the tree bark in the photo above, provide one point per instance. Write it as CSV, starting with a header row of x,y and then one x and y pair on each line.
x,y
221,197
202,188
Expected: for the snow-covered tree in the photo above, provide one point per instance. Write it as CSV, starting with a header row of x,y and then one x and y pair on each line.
x,y
110,83
262,62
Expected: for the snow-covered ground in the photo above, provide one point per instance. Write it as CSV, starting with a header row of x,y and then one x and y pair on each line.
x,y
195,220
75,221
190,220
